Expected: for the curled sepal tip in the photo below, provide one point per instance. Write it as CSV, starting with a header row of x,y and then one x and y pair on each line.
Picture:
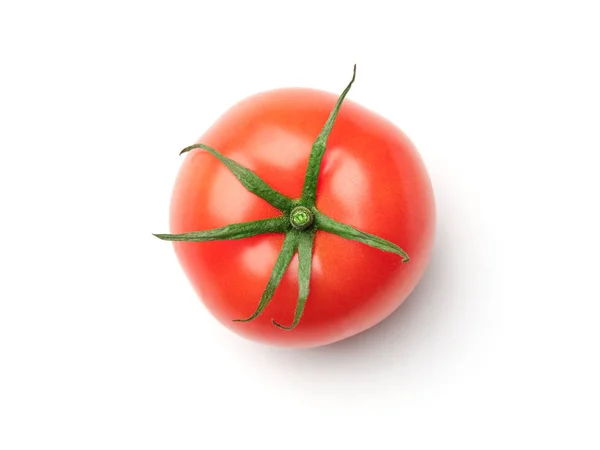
x,y
231,232
309,190
305,251
249,179
290,244
330,225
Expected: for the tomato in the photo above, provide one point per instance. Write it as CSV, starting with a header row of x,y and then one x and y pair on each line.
x,y
371,177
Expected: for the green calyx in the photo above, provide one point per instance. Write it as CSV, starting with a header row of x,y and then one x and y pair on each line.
x,y
300,220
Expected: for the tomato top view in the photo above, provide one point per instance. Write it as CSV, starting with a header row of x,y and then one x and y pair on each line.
x,y
301,218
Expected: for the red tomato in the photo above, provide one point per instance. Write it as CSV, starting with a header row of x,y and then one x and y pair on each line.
x,y
371,178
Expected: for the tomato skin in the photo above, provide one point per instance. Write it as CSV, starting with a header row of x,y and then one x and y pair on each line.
x,y
371,178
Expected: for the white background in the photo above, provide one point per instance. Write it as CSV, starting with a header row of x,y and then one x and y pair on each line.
x,y
104,345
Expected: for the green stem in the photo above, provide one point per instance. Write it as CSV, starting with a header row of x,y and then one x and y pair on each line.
x,y
301,218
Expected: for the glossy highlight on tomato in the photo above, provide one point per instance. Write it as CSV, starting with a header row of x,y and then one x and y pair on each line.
x,y
371,178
